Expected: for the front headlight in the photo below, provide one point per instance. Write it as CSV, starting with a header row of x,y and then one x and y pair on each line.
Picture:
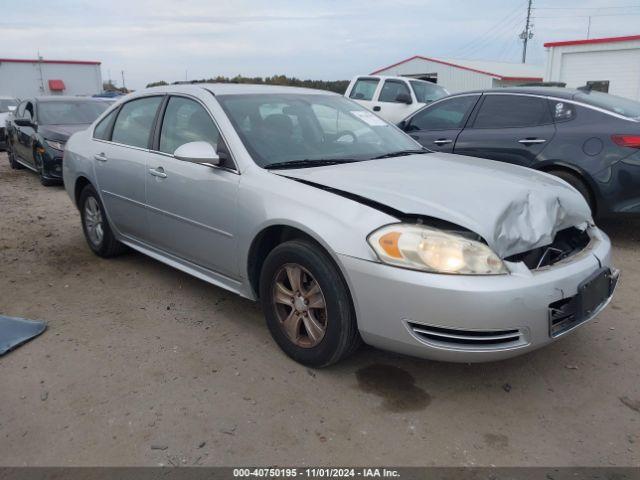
x,y
55,145
423,248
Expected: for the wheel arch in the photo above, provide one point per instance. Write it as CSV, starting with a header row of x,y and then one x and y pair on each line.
x,y
80,184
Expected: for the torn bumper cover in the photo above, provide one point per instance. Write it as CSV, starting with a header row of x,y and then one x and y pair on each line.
x,y
479,318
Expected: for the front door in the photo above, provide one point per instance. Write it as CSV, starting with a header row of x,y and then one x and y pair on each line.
x,y
121,165
191,207
25,136
437,126
508,128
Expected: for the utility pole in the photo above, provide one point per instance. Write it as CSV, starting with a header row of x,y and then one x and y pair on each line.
x,y
589,27
124,87
527,34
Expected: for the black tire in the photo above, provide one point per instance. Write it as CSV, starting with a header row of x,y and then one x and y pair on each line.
x,y
12,160
341,336
108,246
576,182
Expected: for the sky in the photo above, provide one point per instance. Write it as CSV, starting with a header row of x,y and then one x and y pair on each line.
x,y
171,40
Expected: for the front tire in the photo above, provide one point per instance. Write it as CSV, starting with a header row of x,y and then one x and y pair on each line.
x,y
579,184
95,225
307,305
13,161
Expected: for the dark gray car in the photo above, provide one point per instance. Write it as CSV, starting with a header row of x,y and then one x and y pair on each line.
x,y
589,139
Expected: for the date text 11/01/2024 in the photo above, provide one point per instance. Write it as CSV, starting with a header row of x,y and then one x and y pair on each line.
x,y
316,472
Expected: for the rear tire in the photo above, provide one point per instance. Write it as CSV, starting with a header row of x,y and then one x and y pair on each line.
x,y
311,319
576,182
95,225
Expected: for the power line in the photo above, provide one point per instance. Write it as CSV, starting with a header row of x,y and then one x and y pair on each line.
x,y
586,8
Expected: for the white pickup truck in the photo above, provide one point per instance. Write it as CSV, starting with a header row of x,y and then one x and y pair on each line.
x,y
393,98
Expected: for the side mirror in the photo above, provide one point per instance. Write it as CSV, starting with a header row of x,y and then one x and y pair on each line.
x,y
402,125
404,98
202,153
23,122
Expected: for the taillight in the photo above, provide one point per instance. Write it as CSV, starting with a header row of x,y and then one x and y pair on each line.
x,y
632,141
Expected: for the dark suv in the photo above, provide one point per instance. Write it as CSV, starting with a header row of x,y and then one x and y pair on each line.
x,y
41,127
589,139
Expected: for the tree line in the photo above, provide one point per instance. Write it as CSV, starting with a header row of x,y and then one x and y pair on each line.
x,y
337,86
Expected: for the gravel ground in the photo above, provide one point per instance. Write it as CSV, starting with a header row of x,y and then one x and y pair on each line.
x,y
144,365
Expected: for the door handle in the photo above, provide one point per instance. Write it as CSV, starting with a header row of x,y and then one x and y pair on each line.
x,y
442,141
158,172
377,108
101,157
531,141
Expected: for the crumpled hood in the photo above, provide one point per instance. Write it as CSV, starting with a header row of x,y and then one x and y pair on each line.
x,y
60,132
513,208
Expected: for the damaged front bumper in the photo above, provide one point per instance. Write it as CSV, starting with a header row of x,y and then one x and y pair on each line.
x,y
462,318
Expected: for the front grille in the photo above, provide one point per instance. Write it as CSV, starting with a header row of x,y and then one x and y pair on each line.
x,y
468,339
566,243
564,315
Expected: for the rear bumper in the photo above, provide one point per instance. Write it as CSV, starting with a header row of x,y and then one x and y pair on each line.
x,y
395,307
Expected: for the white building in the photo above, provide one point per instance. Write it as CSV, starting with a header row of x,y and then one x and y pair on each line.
x,y
608,64
461,75
20,78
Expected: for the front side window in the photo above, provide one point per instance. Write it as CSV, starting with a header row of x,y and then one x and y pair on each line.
x,y
103,129
186,121
73,112
427,92
505,111
310,127
364,88
20,110
28,111
134,122
392,90
445,115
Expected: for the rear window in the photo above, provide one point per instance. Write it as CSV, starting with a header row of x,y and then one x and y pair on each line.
x,y
427,92
73,112
611,103
364,89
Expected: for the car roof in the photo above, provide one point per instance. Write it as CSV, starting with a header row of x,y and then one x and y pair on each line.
x,y
557,92
234,89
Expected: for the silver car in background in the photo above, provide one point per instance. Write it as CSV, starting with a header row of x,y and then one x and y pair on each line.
x,y
343,227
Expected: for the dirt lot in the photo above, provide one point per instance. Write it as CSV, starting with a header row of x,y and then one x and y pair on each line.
x,y
144,365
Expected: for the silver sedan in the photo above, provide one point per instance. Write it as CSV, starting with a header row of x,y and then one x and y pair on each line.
x,y
343,227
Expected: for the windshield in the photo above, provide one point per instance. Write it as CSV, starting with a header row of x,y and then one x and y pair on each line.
x,y
611,103
278,128
73,112
427,92
6,103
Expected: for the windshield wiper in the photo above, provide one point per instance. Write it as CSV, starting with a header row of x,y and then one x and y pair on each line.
x,y
308,163
401,153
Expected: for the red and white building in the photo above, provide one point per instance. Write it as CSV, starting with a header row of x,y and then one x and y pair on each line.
x,y
23,78
608,64
457,75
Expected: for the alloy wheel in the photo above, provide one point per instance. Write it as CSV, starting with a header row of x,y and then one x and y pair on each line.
x,y
93,221
300,305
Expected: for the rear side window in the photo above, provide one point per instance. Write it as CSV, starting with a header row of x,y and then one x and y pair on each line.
x,y
562,111
504,111
427,92
134,122
445,115
612,103
186,121
392,89
364,88
103,129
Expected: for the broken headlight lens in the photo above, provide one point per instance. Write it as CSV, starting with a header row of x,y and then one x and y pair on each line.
x,y
423,248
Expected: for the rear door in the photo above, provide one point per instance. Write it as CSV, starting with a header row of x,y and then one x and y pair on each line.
x,y
509,128
363,91
192,207
437,126
390,103
121,164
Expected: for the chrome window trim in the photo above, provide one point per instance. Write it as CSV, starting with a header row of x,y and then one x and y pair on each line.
x,y
133,147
